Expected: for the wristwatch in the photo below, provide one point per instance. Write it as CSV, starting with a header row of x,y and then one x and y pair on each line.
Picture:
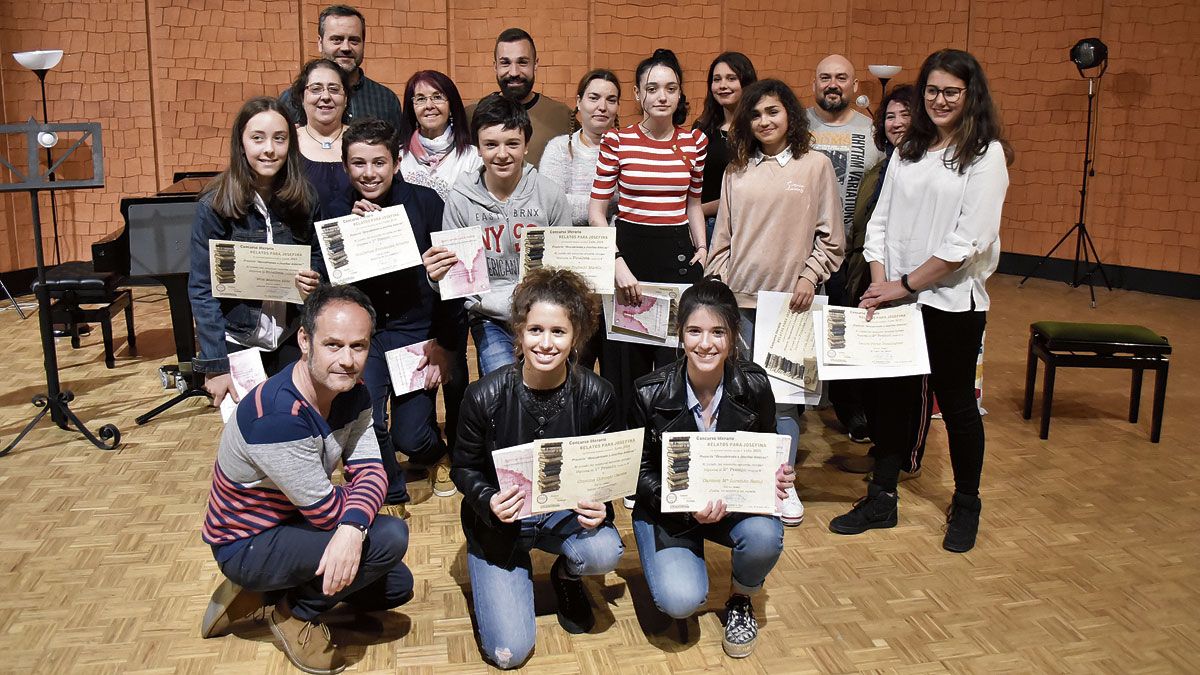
x,y
904,283
358,526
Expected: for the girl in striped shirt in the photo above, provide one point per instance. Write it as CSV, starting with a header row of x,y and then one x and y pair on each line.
x,y
656,169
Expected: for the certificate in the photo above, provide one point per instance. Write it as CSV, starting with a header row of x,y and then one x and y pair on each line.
x,y
597,468
701,467
615,332
516,466
246,372
650,317
469,275
891,344
588,251
253,271
772,306
402,367
361,247
792,356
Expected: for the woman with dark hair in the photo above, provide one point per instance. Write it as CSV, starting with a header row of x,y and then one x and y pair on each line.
x,y
262,196
728,75
435,141
540,396
934,239
709,389
323,90
656,170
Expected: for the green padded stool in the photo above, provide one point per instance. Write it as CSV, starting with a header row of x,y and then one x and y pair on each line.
x,y
1097,345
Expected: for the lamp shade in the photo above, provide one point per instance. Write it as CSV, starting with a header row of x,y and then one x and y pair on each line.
x,y
884,71
41,59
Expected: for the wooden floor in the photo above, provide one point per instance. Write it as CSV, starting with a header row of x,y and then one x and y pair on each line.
x,y
1088,557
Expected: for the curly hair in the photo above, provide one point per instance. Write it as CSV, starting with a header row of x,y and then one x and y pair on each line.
x,y
560,287
743,144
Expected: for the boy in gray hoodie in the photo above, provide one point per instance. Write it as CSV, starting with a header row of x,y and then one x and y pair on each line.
x,y
505,197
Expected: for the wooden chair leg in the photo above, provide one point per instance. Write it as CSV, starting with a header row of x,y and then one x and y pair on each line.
x,y
130,336
1135,394
1160,397
106,328
1030,381
1047,397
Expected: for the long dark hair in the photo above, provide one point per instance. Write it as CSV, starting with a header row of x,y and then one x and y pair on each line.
x,y
665,57
904,93
458,113
743,144
713,115
232,191
597,74
715,296
301,83
978,125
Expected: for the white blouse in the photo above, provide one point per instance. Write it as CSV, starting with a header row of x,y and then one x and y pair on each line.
x,y
442,179
926,210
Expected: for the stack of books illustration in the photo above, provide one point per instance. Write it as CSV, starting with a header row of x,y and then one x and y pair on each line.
x,y
550,467
225,263
679,458
332,234
535,248
835,322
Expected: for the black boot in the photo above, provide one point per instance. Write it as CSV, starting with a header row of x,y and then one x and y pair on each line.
x,y
962,523
876,510
574,610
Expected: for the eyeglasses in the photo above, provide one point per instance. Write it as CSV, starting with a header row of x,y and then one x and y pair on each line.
x,y
420,101
951,94
321,89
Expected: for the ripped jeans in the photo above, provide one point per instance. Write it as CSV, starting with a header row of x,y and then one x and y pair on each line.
x,y
503,596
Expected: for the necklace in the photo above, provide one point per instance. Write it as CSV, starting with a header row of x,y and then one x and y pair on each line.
x,y
642,126
325,145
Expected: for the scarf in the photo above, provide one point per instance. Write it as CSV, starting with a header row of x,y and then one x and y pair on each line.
x,y
431,151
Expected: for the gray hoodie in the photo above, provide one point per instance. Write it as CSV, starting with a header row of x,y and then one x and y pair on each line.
x,y
537,202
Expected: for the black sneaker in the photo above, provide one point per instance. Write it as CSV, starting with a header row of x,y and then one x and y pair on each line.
x,y
876,510
962,523
859,431
574,610
741,629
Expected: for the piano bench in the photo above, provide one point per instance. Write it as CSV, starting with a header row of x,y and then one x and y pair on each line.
x,y
74,284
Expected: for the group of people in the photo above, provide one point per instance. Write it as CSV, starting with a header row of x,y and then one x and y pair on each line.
x,y
758,194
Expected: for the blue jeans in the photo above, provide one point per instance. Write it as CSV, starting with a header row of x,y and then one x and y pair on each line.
x,y
503,595
674,565
285,558
493,344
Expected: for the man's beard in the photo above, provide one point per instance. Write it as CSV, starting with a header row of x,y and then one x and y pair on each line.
x,y
510,88
824,104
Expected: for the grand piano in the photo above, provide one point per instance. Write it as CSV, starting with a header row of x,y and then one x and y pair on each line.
x,y
158,231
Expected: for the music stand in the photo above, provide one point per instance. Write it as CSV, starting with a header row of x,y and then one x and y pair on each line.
x,y
32,179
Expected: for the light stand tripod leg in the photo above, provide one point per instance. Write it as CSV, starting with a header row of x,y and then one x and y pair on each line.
x,y
1046,257
16,305
180,398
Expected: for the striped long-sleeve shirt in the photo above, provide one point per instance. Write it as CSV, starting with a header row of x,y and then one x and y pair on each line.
x,y
652,178
275,460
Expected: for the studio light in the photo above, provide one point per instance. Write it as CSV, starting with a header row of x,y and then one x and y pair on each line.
x,y
1090,53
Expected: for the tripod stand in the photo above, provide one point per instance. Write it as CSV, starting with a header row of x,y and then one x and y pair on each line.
x,y
56,400
1084,248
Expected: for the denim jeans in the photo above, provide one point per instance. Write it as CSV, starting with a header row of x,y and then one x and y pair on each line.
x,y
285,558
503,595
674,565
493,344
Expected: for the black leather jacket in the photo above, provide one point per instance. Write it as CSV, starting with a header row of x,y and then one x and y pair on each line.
x,y
492,418
747,404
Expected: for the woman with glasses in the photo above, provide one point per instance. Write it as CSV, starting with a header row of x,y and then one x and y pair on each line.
x,y
933,240
435,141
324,93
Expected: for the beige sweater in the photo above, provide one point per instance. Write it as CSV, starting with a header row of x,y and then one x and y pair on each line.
x,y
776,224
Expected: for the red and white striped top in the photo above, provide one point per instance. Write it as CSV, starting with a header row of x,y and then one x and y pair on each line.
x,y
652,178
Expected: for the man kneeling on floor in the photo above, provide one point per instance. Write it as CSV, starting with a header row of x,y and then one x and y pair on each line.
x,y
281,531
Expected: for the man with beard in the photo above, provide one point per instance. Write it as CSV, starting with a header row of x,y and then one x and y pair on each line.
x,y
342,38
845,136
516,69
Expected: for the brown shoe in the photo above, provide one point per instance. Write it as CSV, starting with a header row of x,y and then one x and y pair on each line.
x,y
394,510
307,644
229,603
442,485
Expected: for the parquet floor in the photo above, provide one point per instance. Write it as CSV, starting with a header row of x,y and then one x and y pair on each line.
x,y
1088,558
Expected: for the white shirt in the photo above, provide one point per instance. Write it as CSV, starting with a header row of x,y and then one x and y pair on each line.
x,y
442,178
272,321
926,210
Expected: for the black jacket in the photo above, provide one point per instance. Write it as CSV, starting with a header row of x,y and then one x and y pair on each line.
x,y
747,404
492,418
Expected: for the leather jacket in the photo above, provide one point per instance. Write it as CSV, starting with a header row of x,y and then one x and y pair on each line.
x,y
747,404
492,418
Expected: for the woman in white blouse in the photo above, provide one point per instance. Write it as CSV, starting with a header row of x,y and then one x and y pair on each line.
x,y
934,239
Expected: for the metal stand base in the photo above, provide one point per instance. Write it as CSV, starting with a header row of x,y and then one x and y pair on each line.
x,y
60,412
190,392
16,305
1083,244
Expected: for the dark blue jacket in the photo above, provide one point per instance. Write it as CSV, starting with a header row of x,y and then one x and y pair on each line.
x,y
217,316
403,300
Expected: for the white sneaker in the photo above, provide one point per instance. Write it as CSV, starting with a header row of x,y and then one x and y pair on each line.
x,y
792,513
628,502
